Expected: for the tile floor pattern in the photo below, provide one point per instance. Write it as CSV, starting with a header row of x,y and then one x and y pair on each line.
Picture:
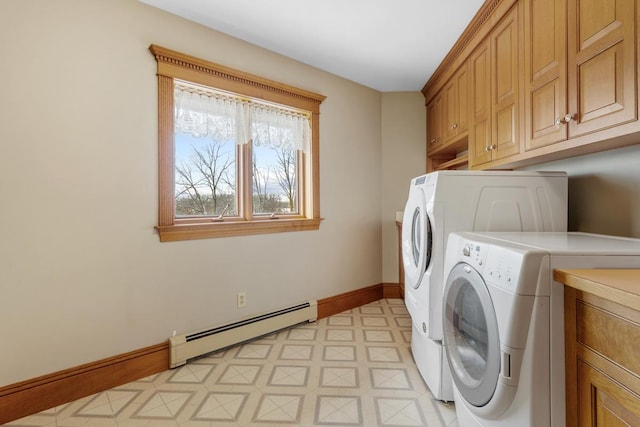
x,y
351,369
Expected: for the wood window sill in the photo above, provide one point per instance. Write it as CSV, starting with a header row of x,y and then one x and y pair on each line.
x,y
172,233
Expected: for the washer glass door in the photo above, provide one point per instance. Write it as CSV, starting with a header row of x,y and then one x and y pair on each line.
x,y
416,241
471,335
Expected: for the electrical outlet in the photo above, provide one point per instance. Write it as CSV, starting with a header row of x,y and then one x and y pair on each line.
x,y
242,299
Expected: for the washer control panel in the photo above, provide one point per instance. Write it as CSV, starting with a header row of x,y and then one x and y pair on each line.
x,y
474,254
498,266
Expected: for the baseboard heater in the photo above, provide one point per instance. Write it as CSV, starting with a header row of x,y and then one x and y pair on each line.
x,y
195,344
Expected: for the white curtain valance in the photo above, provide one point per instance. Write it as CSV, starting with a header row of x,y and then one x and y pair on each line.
x,y
206,113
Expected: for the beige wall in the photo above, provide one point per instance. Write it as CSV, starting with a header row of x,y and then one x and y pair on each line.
x,y
604,191
403,157
83,274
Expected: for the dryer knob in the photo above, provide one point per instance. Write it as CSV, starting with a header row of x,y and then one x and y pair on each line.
x,y
466,251
424,327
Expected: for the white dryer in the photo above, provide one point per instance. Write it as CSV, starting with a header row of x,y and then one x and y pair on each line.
x,y
447,201
504,321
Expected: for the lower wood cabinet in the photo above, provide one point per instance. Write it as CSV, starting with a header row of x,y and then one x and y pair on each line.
x,y
602,401
602,341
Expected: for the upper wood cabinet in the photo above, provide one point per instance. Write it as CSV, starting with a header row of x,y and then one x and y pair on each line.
x,y
505,87
456,95
434,123
547,79
601,64
480,100
495,94
448,123
545,71
579,68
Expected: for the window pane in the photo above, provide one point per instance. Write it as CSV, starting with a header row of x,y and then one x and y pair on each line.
x,y
205,176
274,180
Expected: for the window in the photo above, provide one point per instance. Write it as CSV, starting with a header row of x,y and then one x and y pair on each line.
x,y
238,154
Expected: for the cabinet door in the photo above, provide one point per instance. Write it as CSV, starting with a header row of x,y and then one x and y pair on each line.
x,y
434,122
480,111
601,58
450,104
455,104
545,72
604,402
462,101
504,87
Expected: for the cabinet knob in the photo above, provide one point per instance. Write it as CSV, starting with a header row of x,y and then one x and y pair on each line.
x,y
433,140
564,120
454,126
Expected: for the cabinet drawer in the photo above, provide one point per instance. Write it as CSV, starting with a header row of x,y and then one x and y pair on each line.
x,y
614,337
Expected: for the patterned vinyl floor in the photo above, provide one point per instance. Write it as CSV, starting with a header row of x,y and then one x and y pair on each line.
x,y
351,369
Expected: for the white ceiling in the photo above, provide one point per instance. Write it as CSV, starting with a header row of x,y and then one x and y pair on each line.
x,y
388,45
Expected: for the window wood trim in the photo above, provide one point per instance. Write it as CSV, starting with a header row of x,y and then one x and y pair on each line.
x,y
174,65
235,228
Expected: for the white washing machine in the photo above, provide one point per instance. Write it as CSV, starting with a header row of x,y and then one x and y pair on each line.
x,y
446,201
504,321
